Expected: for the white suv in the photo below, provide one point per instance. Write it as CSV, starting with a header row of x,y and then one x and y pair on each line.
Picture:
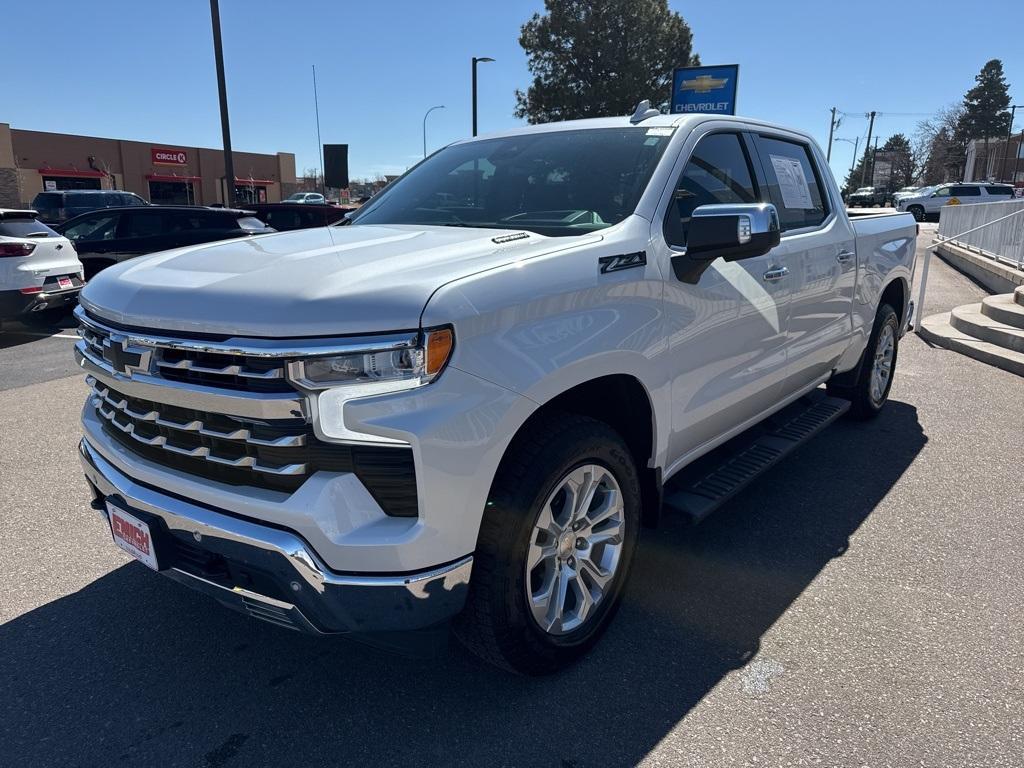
x,y
39,269
929,203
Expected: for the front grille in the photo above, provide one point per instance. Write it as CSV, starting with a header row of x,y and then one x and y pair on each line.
x,y
212,369
279,455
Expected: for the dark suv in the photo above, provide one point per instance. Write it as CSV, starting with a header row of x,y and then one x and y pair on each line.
x,y
286,216
104,238
55,207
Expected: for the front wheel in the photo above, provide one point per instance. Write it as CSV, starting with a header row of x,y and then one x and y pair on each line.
x,y
917,211
555,547
870,392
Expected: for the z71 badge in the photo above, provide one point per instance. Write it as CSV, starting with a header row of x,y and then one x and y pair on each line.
x,y
622,261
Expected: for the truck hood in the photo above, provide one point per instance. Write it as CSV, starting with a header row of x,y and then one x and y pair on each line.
x,y
313,282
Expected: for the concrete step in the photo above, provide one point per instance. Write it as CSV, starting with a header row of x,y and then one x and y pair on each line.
x,y
937,330
1018,295
1003,309
970,319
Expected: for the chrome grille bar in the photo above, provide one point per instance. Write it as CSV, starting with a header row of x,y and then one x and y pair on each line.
x,y
102,395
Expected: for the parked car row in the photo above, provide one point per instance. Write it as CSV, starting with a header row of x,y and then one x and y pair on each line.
x,y
928,202
56,207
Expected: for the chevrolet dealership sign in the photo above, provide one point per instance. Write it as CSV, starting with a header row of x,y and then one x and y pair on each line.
x,y
705,89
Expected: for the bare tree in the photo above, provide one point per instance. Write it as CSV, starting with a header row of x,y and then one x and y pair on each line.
x,y
940,146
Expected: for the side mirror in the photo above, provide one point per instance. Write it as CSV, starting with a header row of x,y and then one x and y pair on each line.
x,y
731,232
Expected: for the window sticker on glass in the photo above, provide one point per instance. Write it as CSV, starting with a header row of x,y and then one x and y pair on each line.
x,y
661,130
792,183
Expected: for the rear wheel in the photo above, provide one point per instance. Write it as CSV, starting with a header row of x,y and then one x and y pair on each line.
x,y
555,547
869,393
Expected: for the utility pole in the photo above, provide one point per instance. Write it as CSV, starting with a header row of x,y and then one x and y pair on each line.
x,y
218,53
831,130
874,159
864,170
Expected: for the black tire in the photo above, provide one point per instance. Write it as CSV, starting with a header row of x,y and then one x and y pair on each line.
x,y
865,405
497,624
917,212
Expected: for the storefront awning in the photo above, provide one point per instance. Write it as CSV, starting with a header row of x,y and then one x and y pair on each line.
x,y
72,172
171,177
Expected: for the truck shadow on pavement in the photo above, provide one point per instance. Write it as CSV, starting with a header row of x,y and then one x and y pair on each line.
x,y
135,670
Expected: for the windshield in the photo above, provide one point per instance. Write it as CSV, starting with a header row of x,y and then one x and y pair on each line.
x,y
555,183
864,191
297,196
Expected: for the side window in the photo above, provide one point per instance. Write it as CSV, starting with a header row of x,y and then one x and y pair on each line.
x,y
718,171
966,190
140,225
794,182
942,192
98,227
1000,191
184,222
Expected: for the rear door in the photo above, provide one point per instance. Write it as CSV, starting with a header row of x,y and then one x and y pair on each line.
x,y
819,248
726,333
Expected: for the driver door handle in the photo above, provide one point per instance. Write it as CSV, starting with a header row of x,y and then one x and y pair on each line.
x,y
775,274
845,257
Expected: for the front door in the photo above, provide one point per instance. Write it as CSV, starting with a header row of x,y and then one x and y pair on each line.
x,y
727,332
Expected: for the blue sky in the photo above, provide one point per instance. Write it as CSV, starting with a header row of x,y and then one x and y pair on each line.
x,y
144,70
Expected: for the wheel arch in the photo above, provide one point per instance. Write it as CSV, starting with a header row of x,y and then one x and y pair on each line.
x,y
622,402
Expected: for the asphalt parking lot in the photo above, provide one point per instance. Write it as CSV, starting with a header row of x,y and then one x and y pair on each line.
x,y
860,606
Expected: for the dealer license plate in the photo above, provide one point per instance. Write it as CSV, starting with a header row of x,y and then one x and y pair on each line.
x,y
132,535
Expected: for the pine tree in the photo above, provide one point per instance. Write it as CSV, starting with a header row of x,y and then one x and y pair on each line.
x,y
986,112
595,58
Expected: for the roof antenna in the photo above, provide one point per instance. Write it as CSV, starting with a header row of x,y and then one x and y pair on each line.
x,y
643,111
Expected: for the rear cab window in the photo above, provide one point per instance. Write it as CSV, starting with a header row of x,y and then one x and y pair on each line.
x,y
26,228
794,182
48,201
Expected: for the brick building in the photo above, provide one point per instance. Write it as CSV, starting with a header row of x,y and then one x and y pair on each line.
x,y
34,161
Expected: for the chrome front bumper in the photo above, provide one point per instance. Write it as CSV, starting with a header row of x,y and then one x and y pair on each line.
x,y
271,573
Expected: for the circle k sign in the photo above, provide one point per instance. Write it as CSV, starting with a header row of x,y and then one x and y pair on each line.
x,y
162,156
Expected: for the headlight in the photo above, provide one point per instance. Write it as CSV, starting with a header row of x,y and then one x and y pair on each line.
x,y
373,371
377,369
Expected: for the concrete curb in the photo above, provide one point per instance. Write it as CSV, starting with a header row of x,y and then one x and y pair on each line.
x,y
938,330
994,276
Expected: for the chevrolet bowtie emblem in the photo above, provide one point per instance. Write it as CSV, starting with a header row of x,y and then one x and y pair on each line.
x,y
703,84
124,358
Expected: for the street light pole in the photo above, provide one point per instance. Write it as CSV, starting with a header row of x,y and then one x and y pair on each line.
x,y
439,106
477,60
218,53
1009,135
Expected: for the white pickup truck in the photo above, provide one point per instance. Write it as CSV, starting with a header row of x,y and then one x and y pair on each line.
x,y
461,407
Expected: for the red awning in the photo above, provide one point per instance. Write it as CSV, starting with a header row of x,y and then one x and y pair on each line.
x,y
71,172
171,177
254,181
